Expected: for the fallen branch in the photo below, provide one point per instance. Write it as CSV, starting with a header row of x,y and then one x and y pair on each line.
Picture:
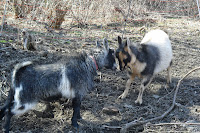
x,y
125,18
161,124
135,123
4,93
2,49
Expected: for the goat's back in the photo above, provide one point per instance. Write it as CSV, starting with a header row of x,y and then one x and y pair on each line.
x,y
160,39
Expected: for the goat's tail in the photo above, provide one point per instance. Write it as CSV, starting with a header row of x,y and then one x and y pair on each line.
x,y
16,70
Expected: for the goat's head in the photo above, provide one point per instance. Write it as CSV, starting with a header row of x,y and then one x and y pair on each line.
x,y
124,53
105,55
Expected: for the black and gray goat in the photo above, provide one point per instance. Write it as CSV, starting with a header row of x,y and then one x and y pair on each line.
x,y
72,78
151,56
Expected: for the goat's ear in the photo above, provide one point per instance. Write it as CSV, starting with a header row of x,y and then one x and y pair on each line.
x,y
128,42
105,44
98,44
139,46
119,41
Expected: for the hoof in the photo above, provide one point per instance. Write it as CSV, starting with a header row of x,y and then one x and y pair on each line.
x,y
5,130
122,96
2,113
75,125
139,102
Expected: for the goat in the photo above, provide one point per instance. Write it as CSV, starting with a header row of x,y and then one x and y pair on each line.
x,y
28,40
71,78
151,56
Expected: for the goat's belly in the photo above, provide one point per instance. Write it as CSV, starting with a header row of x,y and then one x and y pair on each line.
x,y
165,58
162,65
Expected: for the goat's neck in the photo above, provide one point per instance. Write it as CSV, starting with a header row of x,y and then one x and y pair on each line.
x,y
99,58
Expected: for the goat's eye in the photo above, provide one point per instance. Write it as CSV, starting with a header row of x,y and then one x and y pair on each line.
x,y
117,55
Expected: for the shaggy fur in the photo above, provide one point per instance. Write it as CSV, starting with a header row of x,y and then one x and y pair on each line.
x,y
71,78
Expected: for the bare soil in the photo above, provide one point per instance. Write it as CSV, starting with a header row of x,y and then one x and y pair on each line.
x,y
184,35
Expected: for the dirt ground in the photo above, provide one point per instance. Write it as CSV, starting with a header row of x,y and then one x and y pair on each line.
x,y
185,117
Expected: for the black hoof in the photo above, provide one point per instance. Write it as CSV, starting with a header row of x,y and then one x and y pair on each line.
x,y
75,124
2,114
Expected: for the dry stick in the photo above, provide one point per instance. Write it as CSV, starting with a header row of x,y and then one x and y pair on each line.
x,y
161,124
135,123
3,93
125,19
4,16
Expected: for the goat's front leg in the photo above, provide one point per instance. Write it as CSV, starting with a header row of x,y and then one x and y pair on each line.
x,y
76,103
145,83
128,84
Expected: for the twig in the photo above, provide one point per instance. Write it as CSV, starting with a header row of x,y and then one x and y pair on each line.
x,y
165,95
112,127
4,93
133,123
125,18
136,123
161,124
2,49
4,16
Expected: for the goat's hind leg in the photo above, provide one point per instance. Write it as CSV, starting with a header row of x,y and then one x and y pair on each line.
x,y
169,80
6,111
2,111
7,103
76,103
8,116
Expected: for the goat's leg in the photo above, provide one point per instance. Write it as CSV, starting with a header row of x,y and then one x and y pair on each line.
x,y
6,104
76,103
2,111
145,82
8,116
169,80
128,85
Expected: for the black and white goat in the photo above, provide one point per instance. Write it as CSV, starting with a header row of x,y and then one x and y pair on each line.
x,y
72,78
151,56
